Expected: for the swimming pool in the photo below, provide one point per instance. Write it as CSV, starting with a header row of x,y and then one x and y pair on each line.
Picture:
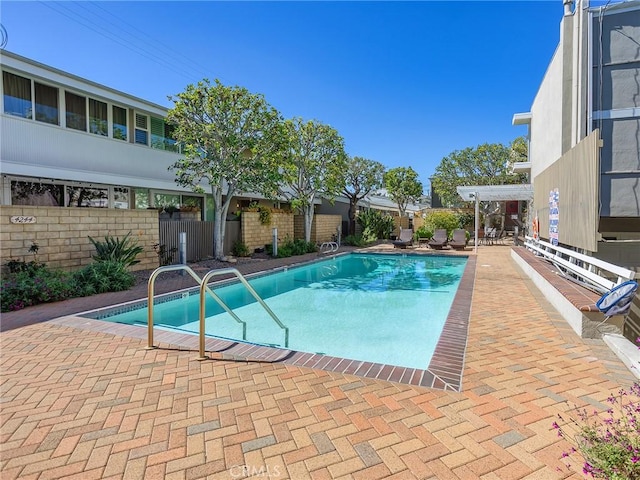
x,y
382,308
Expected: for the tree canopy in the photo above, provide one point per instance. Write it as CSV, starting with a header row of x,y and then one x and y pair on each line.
x,y
362,176
313,166
403,187
486,164
232,139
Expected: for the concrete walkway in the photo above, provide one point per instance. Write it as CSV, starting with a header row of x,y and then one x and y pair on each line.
x,y
80,404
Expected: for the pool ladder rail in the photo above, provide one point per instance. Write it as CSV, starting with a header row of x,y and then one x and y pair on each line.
x,y
204,288
329,246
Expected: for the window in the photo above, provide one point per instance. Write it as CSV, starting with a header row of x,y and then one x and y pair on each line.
x,y
46,104
162,135
157,133
76,109
141,197
169,140
87,196
120,197
142,129
36,193
98,117
165,199
120,123
17,95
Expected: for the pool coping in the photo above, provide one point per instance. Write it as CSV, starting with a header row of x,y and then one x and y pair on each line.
x,y
444,371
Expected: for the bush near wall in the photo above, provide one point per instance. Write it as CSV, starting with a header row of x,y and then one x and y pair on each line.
x,y
62,234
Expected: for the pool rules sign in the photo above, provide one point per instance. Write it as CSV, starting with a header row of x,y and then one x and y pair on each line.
x,y
554,216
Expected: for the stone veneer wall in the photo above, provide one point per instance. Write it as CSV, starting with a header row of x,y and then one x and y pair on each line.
x,y
62,234
256,235
322,229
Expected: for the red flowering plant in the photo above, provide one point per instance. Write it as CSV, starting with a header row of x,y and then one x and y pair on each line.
x,y
608,442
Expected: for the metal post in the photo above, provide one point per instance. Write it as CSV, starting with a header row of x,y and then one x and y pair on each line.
x,y
275,242
182,249
475,243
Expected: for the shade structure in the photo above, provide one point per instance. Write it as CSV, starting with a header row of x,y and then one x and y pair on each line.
x,y
493,193
496,193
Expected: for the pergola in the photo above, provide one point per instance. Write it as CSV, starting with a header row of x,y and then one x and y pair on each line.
x,y
493,193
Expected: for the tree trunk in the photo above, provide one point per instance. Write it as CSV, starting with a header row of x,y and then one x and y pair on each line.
x,y
219,222
352,218
308,221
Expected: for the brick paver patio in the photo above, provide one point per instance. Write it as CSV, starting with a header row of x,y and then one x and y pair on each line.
x,y
82,404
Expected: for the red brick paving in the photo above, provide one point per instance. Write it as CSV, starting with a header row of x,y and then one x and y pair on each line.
x,y
81,403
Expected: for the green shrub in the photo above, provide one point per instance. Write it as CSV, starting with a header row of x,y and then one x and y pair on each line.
x,y
240,249
424,232
123,250
354,240
25,288
466,220
32,267
375,225
447,220
106,276
289,248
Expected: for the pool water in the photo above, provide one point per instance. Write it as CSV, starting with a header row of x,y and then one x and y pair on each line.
x,y
379,308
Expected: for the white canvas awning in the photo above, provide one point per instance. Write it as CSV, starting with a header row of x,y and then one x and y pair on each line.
x,y
493,193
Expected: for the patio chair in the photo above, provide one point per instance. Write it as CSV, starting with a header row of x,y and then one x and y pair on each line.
x,y
617,301
405,239
439,239
459,240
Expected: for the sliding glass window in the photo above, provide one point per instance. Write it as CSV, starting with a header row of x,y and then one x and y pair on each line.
x,y
46,104
76,110
37,193
17,95
98,117
120,123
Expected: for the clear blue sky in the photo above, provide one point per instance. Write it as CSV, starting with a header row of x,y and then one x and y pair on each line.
x,y
404,83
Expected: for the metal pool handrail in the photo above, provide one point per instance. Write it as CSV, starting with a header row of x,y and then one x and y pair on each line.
x,y
224,271
194,275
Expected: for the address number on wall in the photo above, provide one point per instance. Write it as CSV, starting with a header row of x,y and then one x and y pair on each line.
x,y
23,219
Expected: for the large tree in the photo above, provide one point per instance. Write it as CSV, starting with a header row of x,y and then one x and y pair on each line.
x,y
403,187
314,166
232,140
362,176
487,164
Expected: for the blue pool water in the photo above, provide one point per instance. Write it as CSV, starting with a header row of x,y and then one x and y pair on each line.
x,y
388,309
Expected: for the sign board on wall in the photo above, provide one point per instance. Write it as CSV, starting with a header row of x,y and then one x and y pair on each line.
x,y
554,216
22,219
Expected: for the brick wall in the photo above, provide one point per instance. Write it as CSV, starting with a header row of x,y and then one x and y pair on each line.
x,y
62,234
322,229
256,235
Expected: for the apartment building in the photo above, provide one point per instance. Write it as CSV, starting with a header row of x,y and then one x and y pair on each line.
x,y
584,134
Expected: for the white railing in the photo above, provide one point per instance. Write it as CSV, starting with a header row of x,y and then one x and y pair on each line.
x,y
595,273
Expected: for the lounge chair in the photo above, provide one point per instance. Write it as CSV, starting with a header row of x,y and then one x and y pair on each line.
x,y
405,239
459,240
439,239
